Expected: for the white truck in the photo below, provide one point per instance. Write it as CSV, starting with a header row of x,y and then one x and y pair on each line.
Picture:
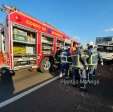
x,y
105,47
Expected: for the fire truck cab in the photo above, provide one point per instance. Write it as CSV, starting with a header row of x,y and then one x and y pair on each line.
x,y
4,67
2,50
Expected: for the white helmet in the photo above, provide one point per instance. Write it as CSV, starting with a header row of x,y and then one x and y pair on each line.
x,y
65,47
91,44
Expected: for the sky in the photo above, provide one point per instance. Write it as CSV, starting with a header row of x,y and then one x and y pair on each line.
x,y
83,20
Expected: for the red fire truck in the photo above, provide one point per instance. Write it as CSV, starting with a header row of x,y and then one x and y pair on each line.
x,y
28,42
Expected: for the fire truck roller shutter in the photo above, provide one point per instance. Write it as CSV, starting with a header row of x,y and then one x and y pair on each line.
x,y
45,64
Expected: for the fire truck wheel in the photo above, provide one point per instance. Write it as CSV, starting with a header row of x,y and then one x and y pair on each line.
x,y
12,72
45,65
5,72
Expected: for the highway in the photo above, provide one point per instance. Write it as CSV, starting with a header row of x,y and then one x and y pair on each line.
x,y
63,97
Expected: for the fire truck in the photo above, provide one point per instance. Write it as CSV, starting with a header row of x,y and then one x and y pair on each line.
x,y
28,42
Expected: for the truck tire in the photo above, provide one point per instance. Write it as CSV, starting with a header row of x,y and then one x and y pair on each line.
x,y
5,72
45,65
12,72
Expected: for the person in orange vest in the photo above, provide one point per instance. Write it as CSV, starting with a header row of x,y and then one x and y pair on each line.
x,y
75,74
73,48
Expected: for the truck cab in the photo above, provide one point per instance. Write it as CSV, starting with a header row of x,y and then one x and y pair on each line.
x,y
2,45
4,68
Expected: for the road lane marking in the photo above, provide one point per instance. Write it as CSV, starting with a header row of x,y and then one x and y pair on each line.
x,y
17,97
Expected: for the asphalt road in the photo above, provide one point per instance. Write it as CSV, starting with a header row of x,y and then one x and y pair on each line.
x,y
60,97
22,81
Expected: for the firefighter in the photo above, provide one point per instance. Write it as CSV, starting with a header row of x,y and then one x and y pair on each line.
x,y
57,60
83,75
93,58
64,63
73,48
74,55
78,69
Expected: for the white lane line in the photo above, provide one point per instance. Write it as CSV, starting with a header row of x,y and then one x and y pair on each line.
x,y
15,98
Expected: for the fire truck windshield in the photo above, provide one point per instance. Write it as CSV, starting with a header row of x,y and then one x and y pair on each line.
x,y
2,41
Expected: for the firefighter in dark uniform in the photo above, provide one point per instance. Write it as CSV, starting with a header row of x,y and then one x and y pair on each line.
x,y
64,62
57,59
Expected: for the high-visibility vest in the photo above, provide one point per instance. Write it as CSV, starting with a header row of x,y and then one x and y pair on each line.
x,y
92,60
64,57
77,63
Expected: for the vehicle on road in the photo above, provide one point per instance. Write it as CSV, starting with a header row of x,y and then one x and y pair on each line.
x,y
28,42
105,47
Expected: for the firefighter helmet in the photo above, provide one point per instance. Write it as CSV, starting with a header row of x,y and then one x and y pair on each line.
x,y
91,44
